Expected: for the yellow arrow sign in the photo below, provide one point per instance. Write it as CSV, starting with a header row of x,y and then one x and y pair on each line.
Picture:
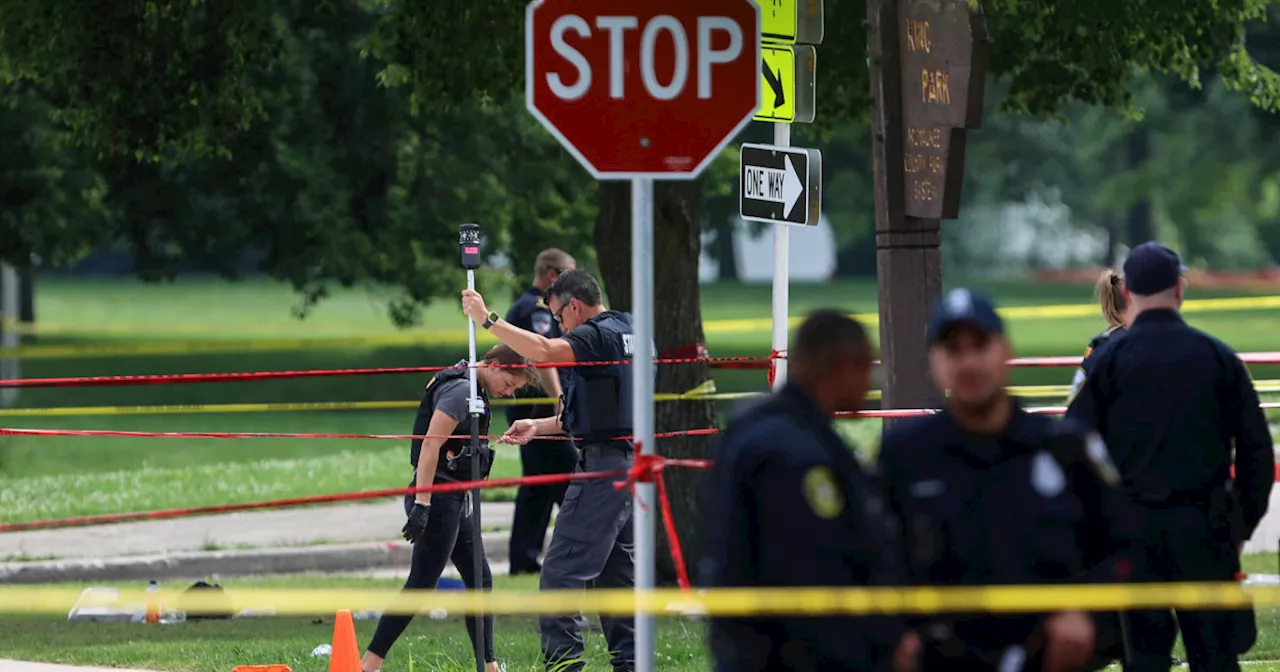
x,y
786,84
791,21
777,84
778,20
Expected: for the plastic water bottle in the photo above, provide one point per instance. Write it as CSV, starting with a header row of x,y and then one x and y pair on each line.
x,y
153,603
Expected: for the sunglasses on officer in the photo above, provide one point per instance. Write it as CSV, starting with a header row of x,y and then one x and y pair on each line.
x,y
559,313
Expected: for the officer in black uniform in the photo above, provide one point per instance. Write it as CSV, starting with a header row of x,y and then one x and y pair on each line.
x,y
439,526
538,457
788,505
1115,310
591,542
989,494
1172,402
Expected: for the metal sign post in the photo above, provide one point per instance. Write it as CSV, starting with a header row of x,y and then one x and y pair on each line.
x,y
672,83
642,402
781,277
787,96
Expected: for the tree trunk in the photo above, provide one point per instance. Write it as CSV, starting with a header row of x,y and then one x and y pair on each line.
x,y
726,248
27,298
857,259
1141,223
1109,236
677,246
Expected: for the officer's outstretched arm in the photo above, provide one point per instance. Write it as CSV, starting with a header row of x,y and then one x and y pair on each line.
x,y
1254,454
531,346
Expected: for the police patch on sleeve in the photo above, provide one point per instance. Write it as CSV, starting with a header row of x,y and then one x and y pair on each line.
x,y
541,322
1096,450
1046,476
1076,383
822,493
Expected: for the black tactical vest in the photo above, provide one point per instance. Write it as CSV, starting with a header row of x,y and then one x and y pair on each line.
x,y
597,399
455,455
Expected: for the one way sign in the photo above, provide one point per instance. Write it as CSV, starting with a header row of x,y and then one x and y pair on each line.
x,y
780,184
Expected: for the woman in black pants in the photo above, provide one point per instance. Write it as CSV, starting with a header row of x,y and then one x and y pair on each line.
x,y
439,526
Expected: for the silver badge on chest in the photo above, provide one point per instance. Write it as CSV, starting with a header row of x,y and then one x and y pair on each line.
x,y
1046,475
541,322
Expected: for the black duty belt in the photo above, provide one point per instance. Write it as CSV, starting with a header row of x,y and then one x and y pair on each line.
x,y
1171,498
607,448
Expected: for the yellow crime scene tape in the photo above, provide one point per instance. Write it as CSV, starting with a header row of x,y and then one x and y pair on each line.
x,y
458,337
1056,312
705,392
808,601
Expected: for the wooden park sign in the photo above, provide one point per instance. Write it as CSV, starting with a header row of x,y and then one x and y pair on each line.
x,y
943,51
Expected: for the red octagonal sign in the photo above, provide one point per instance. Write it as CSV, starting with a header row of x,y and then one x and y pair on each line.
x,y
643,88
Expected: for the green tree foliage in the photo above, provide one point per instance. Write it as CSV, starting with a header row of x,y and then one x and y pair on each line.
x,y
53,198
334,181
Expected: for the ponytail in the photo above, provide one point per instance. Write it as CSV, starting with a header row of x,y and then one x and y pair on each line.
x,y
1110,290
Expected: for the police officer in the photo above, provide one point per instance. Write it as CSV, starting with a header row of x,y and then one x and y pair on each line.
x,y
591,542
989,494
440,527
788,505
1172,402
537,457
1115,310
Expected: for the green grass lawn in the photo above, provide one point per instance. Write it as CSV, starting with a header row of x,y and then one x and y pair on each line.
x,y
432,646
427,645
122,474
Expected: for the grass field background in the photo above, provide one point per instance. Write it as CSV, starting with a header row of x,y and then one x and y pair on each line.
x,y
129,474
428,645
55,477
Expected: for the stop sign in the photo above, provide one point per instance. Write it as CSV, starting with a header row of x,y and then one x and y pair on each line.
x,y
643,88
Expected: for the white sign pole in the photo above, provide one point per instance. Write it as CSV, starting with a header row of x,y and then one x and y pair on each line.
x,y
642,402
781,275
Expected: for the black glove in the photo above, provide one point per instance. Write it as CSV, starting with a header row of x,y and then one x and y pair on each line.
x,y
416,526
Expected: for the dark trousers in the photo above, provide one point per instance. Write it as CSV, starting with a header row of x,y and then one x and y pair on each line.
x,y
1177,544
448,537
591,545
534,503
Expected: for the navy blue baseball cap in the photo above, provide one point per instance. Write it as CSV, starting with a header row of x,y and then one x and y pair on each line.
x,y
964,306
1152,268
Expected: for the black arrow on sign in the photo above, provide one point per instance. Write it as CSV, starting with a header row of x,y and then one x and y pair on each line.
x,y
774,82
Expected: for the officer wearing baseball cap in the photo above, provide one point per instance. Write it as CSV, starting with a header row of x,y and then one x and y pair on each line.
x,y
1172,402
988,493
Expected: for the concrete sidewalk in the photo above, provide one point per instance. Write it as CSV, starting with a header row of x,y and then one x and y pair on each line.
x,y
315,539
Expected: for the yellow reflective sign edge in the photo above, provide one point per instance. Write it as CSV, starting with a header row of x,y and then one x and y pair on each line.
x,y
777,84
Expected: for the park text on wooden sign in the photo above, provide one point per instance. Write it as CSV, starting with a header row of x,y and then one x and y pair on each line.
x,y
944,67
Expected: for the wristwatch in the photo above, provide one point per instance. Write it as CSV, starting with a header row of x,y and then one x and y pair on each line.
x,y
493,317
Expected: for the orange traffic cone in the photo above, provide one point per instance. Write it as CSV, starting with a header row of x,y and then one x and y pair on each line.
x,y
345,657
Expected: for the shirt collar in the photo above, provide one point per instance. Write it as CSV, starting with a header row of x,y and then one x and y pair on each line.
x,y
1158,316
1021,432
798,398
